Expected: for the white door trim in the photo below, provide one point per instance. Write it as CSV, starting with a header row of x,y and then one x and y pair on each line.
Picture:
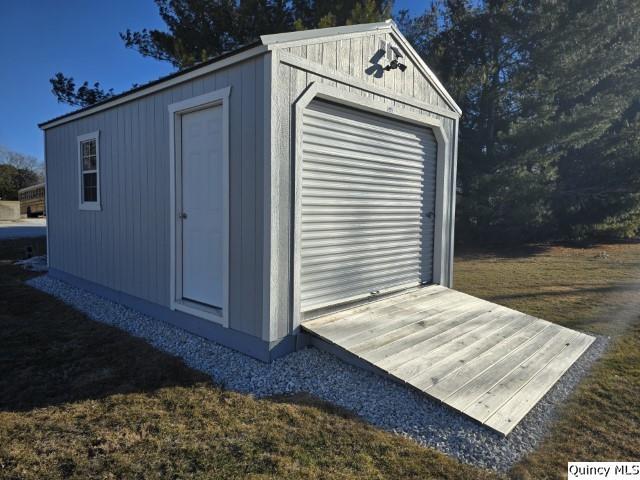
x,y
444,169
218,97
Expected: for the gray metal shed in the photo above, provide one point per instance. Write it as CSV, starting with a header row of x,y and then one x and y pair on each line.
x,y
242,196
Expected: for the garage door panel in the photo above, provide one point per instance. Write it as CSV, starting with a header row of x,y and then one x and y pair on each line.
x,y
357,240
364,150
391,138
350,141
323,256
321,271
331,189
337,233
368,183
352,166
380,283
334,115
360,182
362,277
315,221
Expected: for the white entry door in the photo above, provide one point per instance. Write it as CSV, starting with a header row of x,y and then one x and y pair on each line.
x,y
202,206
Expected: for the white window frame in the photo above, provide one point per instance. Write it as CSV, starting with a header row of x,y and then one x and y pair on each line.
x,y
176,110
82,205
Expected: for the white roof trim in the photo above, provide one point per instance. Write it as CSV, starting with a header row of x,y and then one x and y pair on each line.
x,y
155,87
269,42
288,37
425,69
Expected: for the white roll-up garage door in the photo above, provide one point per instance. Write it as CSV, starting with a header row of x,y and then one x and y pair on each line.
x,y
368,201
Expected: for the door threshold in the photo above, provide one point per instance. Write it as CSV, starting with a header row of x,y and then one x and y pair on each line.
x,y
201,310
349,304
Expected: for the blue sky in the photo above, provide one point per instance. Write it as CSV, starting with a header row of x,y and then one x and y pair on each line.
x,y
79,38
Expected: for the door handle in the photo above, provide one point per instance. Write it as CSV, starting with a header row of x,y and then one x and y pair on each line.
x,y
183,215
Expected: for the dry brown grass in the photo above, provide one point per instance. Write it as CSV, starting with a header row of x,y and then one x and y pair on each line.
x,y
595,289
79,399
579,287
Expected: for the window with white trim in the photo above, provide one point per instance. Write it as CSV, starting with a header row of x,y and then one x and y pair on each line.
x,y
89,159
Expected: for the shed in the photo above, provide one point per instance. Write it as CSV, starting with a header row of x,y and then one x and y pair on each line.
x,y
298,190
237,196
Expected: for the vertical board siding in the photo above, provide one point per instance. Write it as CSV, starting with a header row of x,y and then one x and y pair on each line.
x,y
356,57
288,83
125,246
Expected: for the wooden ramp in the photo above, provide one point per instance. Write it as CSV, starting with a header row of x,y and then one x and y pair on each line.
x,y
487,361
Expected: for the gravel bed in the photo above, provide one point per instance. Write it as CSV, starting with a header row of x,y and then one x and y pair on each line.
x,y
376,400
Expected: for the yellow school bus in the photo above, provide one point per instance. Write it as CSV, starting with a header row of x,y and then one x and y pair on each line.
x,y
32,202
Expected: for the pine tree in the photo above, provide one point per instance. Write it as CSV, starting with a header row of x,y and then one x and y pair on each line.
x,y
578,122
550,93
201,29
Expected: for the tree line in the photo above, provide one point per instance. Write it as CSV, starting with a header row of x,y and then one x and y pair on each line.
x,y
18,171
550,93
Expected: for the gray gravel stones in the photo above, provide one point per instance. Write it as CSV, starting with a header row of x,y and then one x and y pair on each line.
x,y
377,400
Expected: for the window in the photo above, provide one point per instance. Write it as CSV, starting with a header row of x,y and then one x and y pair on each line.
x,y
89,158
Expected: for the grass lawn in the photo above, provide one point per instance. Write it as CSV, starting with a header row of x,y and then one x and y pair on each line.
x,y
594,289
80,399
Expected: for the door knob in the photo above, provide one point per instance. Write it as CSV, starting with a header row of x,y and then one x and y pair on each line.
x,y
183,215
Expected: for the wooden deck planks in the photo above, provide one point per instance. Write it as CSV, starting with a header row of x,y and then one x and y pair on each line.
x,y
465,385
345,325
458,359
423,327
503,389
376,324
487,361
404,350
496,321
509,414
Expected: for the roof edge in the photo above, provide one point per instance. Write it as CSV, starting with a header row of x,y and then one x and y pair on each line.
x,y
426,70
282,40
247,51
223,60
277,38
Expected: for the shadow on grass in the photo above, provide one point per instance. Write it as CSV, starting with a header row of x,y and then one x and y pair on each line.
x,y
564,290
306,400
497,252
51,354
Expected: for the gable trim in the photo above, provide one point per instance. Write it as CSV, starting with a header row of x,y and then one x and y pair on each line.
x,y
293,39
318,33
400,38
322,71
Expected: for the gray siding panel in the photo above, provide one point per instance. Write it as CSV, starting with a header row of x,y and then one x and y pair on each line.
x,y
356,57
125,246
